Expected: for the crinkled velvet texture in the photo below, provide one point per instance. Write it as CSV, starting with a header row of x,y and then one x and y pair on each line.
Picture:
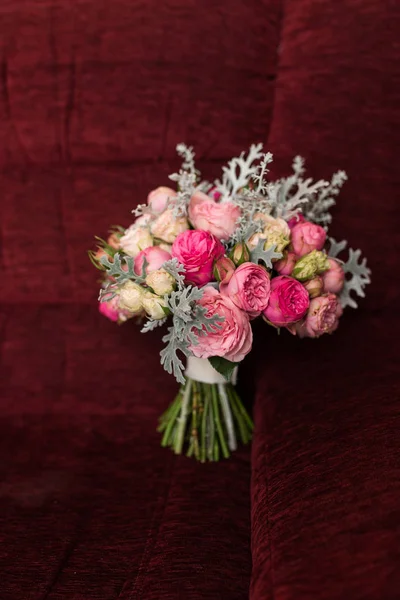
x,y
92,104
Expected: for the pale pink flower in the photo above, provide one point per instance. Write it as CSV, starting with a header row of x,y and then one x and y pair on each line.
x,y
218,218
234,338
333,278
167,226
306,237
158,199
155,257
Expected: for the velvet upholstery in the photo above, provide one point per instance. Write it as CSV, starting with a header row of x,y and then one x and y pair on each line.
x,y
94,97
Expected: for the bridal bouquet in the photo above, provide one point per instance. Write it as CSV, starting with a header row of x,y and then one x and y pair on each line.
x,y
208,259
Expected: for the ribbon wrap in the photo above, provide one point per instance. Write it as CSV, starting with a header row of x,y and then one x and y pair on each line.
x,y
199,369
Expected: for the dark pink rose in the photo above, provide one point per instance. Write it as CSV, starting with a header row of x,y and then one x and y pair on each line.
x,y
288,301
249,288
299,218
333,278
234,339
154,256
307,237
197,250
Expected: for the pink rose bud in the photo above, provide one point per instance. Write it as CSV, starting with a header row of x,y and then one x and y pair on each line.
x,y
155,257
285,265
223,269
249,288
220,219
288,303
240,254
333,279
113,241
233,339
322,317
110,309
306,237
314,287
299,218
158,199
197,250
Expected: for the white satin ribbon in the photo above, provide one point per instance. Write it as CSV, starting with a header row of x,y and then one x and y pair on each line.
x,y
201,370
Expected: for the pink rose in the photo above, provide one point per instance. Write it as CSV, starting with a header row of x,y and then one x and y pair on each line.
x,y
299,218
155,258
158,198
288,302
111,310
306,237
285,265
234,339
333,279
249,288
196,251
220,219
322,317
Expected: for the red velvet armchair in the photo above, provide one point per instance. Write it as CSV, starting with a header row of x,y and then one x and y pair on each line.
x,y
94,97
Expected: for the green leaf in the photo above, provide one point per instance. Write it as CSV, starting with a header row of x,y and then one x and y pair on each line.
x,y
223,366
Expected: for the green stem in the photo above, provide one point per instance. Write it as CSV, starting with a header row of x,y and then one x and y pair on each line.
x,y
211,425
195,408
204,425
182,420
172,422
220,432
238,416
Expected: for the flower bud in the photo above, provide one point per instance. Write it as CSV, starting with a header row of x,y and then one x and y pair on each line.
x,y
279,239
314,286
131,297
310,265
223,269
285,265
333,278
161,282
240,254
154,306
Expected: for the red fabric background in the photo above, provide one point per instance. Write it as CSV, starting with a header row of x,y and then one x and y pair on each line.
x,y
94,97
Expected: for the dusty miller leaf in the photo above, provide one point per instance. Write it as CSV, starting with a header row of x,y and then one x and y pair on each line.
x,y
116,271
266,256
317,210
187,316
238,172
151,324
336,247
176,269
359,278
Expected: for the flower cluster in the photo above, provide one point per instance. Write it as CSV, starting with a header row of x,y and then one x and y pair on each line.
x,y
246,246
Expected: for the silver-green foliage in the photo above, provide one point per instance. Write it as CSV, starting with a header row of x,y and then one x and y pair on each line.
x,y
188,317
358,275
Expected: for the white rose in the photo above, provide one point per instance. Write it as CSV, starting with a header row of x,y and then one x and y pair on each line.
x,y
167,227
275,225
135,239
161,282
153,305
131,297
